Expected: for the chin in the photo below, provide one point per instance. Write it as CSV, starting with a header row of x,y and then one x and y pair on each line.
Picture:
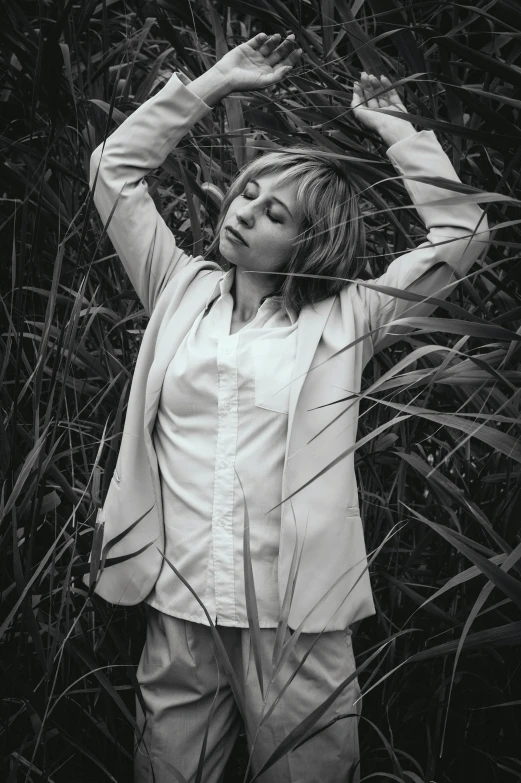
x,y
223,249
230,251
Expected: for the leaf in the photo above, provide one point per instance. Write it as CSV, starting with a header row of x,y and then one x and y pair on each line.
x,y
288,595
453,326
507,584
97,545
41,565
234,683
120,536
294,737
236,128
345,454
26,470
86,751
418,599
232,105
489,65
200,765
501,441
291,642
328,26
445,485
117,115
499,141
251,597
499,636
195,223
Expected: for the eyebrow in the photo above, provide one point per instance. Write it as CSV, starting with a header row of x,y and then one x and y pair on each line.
x,y
273,198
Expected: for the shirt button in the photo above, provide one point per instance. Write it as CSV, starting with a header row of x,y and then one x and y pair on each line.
x,y
227,405
226,350
222,522
224,464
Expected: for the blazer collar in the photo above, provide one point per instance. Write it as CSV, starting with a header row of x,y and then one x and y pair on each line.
x,y
311,323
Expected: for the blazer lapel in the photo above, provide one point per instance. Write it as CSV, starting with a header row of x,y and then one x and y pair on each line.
x,y
180,318
311,324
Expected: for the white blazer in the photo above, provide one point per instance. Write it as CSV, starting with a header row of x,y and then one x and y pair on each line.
x,y
320,500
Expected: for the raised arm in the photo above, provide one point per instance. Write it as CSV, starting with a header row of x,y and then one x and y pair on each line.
x,y
456,236
144,243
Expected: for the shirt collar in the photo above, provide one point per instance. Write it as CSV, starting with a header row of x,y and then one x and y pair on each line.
x,y
224,285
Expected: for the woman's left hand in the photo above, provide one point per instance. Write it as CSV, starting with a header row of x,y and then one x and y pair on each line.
x,y
258,63
365,98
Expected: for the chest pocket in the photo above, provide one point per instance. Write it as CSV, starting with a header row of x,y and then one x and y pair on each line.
x,y
273,362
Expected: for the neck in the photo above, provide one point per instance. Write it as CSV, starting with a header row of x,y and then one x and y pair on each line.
x,y
247,291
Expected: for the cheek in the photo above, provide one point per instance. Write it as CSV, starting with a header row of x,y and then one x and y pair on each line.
x,y
279,252
277,237
282,244
272,246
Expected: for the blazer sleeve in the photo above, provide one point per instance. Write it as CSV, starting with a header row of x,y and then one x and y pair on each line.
x,y
146,246
450,249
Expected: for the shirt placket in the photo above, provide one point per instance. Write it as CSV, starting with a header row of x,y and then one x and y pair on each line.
x,y
222,519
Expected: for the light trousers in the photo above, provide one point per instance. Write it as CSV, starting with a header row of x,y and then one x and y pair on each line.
x,y
178,674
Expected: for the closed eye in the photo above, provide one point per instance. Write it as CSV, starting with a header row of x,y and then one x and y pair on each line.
x,y
250,198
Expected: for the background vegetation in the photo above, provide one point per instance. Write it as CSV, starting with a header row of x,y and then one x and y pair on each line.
x,y
443,699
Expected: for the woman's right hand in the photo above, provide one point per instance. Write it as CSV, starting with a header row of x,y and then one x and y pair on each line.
x,y
258,63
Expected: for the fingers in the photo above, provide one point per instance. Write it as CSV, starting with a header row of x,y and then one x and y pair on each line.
x,y
270,44
376,86
284,50
274,49
358,95
292,58
257,41
368,89
394,98
373,92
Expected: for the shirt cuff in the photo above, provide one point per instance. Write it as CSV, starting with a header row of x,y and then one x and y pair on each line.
x,y
183,78
408,141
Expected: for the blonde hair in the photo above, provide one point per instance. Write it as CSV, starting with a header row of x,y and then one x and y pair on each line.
x,y
332,238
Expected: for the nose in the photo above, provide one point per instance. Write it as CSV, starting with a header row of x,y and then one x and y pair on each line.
x,y
244,214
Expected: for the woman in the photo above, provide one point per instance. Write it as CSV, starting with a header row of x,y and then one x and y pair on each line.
x,y
229,410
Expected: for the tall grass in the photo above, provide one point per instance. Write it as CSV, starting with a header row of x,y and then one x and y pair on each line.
x,y
441,700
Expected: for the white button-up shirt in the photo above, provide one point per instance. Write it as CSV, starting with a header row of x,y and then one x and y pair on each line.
x,y
224,409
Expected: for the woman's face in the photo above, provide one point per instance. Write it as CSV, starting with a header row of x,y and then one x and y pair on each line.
x,y
267,218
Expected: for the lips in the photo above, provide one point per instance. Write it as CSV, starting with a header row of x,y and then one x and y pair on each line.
x,y
235,234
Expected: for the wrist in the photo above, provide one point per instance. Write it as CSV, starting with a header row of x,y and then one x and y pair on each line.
x,y
393,135
211,86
